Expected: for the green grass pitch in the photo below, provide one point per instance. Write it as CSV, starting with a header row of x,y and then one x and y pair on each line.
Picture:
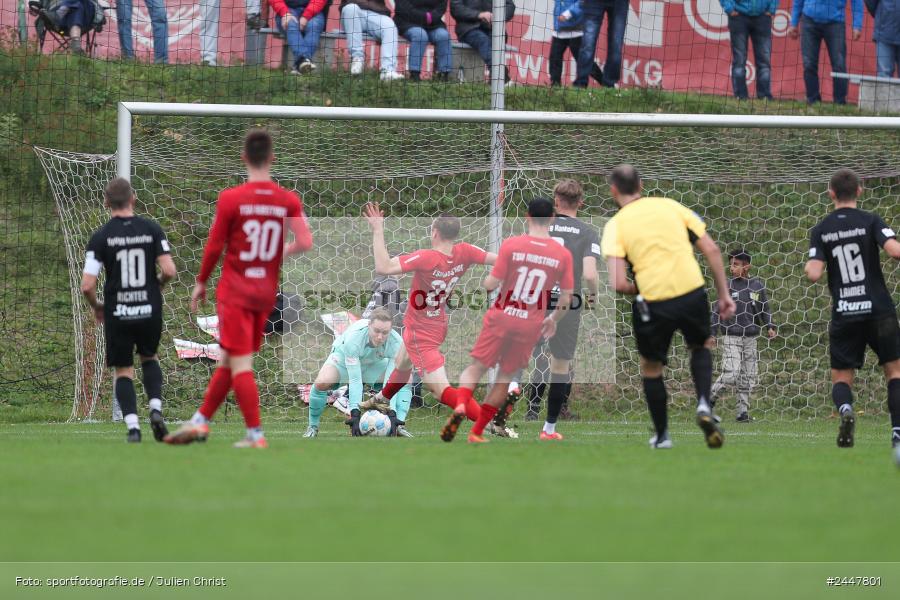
x,y
776,493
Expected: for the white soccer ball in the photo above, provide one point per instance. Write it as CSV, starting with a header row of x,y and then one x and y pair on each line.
x,y
374,423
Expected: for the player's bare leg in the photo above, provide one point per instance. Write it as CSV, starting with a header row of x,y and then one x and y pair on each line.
x,y
197,429
892,375
842,396
151,376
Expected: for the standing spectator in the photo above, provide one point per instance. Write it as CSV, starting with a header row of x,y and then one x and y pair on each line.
x,y
421,22
158,21
616,12
567,33
887,35
473,24
302,22
753,19
209,27
823,20
740,366
373,17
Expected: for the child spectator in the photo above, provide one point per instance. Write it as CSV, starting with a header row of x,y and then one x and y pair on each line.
x,y
741,359
568,21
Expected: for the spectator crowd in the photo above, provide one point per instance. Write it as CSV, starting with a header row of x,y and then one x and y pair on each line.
x,y
576,28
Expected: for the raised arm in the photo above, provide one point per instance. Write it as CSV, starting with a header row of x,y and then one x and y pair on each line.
x,y
384,264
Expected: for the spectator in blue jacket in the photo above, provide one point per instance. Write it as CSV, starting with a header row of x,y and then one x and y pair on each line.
x,y
568,29
616,12
823,20
751,19
887,35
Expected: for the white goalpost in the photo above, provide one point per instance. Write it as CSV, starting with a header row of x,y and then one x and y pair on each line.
x,y
758,180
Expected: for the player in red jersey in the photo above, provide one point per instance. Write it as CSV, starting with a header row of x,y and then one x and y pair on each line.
x,y
249,223
435,272
528,267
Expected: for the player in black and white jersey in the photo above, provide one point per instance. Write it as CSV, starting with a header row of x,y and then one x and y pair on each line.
x,y
582,241
129,248
848,242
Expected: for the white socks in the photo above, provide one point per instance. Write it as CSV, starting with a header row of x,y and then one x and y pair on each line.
x,y
254,433
156,404
549,428
846,408
131,421
199,419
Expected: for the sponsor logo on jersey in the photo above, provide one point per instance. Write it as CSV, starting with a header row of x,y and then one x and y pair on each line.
x,y
255,273
165,246
129,240
123,311
888,232
861,306
595,248
812,252
843,234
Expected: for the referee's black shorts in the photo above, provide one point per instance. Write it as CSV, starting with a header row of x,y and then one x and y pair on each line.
x,y
123,337
847,341
688,314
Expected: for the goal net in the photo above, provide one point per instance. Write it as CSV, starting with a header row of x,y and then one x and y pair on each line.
x,y
760,187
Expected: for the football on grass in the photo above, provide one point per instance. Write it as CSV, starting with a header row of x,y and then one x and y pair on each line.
x,y
374,423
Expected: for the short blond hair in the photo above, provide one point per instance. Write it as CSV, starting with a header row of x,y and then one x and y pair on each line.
x,y
569,191
381,314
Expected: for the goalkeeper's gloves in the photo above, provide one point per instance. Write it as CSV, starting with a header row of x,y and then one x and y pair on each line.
x,y
353,422
395,422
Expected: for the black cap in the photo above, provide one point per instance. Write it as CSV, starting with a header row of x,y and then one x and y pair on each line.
x,y
540,208
740,254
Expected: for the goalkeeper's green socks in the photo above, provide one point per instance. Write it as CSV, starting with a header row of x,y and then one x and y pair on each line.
x,y
317,401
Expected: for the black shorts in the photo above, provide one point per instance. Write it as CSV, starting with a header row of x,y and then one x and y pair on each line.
x,y
562,345
688,314
122,337
847,341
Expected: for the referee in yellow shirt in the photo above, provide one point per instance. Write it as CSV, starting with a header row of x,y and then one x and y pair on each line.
x,y
656,238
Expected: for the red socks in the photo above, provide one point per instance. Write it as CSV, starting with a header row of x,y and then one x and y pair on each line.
x,y
218,387
247,394
453,397
396,381
448,397
487,413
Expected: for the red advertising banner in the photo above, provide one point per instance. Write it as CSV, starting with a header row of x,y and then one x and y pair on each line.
x,y
678,45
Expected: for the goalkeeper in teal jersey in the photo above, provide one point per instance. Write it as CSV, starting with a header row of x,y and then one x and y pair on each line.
x,y
362,355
